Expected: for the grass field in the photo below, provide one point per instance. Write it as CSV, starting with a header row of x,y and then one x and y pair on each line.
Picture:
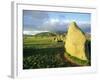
x,y
43,52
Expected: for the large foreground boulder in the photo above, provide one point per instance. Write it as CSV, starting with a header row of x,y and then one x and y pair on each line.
x,y
75,45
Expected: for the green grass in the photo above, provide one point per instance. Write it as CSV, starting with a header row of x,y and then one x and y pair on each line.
x,y
76,60
44,52
41,42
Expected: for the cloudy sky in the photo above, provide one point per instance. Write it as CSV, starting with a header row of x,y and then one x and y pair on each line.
x,y
38,21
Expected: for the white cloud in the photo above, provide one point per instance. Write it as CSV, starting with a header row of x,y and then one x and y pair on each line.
x,y
32,32
54,20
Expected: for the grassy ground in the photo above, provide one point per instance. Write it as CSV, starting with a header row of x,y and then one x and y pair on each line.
x,y
43,52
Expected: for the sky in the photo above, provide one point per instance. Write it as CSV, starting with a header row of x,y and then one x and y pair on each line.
x,y
40,21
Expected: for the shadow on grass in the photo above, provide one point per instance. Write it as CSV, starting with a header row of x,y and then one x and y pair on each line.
x,y
34,51
88,50
44,58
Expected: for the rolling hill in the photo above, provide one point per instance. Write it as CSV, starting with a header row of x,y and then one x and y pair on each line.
x,y
44,34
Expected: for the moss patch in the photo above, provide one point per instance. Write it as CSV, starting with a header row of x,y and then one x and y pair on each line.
x,y
76,60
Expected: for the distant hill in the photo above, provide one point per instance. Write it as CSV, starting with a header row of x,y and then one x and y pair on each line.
x,y
43,34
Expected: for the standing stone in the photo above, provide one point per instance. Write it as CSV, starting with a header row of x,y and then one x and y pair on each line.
x,y
75,42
